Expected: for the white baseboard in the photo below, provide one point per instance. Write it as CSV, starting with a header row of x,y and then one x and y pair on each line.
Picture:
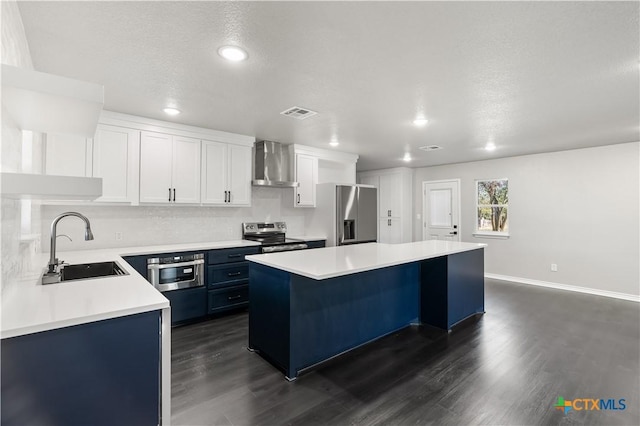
x,y
577,289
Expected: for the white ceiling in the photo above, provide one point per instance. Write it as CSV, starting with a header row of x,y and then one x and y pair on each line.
x,y
530,76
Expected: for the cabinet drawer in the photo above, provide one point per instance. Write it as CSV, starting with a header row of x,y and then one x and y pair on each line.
x,y
221,274
228,298
230,255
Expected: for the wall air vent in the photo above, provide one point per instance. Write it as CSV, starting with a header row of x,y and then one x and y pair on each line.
x,y
430,147
298,113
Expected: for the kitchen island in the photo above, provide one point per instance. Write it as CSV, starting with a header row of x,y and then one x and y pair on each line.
x,y
309,306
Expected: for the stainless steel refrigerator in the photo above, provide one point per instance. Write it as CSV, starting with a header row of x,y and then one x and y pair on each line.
x,y
345,214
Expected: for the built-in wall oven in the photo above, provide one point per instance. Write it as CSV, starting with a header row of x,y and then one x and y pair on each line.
x,y
176,272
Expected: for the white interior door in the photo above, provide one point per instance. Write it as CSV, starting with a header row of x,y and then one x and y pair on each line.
x,y
441,210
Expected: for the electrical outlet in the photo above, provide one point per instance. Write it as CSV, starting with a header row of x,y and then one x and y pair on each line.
x,y
118,236
554,267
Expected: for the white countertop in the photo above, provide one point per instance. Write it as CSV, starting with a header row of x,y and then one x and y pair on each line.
x,y
332,262
135,251
31,307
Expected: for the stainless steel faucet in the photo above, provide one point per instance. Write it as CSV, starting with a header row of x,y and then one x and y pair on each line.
x,y
53,271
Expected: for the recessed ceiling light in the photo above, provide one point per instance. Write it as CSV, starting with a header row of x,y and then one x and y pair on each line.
x,y
490,146
233,53
407,157
420,121
171,111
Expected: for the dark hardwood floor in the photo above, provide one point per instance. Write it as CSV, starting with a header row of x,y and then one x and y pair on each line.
x,y
506,367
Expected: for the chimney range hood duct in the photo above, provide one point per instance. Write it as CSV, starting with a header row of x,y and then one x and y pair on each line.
x,y
271,165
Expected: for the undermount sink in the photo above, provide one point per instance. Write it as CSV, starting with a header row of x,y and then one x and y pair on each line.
x,y
91,270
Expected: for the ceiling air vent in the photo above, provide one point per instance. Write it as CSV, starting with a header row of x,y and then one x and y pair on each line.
x,y
430,147
298,113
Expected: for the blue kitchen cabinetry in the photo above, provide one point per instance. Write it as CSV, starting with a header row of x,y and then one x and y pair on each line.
x,y
228,278
100,373
188,304
316,244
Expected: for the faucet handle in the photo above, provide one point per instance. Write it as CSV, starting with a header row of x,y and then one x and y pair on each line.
x,y
64,235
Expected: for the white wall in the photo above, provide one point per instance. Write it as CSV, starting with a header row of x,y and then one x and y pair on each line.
x,y
20,242
142,225
578,209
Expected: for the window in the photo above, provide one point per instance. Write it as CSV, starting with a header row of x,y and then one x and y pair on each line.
x,y
492,207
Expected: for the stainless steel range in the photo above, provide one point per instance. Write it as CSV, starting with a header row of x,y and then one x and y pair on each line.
x,y
272,236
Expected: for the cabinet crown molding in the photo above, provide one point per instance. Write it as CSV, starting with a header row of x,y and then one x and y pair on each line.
x,y
325,154
177,129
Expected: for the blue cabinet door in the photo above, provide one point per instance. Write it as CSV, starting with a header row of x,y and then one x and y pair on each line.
x,y
101,373
187,304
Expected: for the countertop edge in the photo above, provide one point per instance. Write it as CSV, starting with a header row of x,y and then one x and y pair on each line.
x,y
33,329
261,260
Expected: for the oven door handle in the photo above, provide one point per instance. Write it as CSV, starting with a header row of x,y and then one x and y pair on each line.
x,y
175,265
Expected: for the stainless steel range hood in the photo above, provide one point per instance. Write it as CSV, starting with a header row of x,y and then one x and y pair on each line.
x,y
271,166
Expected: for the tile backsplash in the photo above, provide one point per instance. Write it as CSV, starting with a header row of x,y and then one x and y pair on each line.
x,y
159,225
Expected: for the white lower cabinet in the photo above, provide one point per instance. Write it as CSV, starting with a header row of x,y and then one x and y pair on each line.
x,y
169,169
226,174
389,230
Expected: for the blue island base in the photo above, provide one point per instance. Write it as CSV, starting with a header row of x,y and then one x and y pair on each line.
x,y
296,323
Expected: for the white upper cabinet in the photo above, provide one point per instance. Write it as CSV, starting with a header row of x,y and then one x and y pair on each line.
x,y
214,172
142,160
116,161
306,174
169,169
312,165
67,155
226,174
239,175
390,195
111,155
186,170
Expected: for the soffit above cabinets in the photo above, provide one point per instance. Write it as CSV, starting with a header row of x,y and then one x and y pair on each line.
x,y
46,103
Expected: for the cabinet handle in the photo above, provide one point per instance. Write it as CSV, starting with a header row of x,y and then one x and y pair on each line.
x,y
225,196
174,195
229,197
233,255
234,274
389,222
169,194
234,297
389,213
298,198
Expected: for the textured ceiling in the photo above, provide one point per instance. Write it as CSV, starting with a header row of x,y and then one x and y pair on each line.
x,y
529,76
